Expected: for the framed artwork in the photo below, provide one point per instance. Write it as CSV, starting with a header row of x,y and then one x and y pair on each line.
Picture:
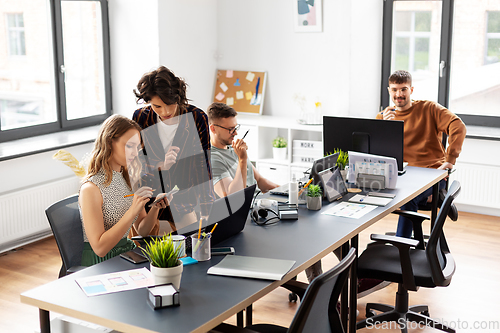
x,y
242,90
308,16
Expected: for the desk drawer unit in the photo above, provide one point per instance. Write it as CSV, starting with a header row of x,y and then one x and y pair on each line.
x,y
278,174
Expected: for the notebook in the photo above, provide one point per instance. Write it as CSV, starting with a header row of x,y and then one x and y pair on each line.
x,y
252,267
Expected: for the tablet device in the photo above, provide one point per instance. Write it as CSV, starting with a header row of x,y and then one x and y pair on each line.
x,y
333,184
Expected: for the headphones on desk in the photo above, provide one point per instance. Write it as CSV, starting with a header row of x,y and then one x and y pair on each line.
x,y
262,212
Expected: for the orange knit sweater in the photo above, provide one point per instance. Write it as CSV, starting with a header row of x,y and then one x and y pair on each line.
x,y
424,124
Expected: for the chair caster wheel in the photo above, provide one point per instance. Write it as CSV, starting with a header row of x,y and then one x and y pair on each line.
x,y
370,313
425,313
292,297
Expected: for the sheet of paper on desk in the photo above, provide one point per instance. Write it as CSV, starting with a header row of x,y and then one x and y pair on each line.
x,y
115,282
350,210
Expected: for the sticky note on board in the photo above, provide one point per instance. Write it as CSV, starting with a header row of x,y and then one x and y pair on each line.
x,y
229,73
230,101
220,96
250,76
223,87
239,94
248,95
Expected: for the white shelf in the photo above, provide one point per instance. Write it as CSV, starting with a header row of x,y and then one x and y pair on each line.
x,y
273,161
263,129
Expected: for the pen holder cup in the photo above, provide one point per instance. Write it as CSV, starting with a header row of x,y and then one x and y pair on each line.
x,y
302,196
201,247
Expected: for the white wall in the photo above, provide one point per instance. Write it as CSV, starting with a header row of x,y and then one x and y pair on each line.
x,y
340,66
188,44
135,48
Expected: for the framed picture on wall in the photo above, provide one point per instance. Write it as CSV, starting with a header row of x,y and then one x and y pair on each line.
x,y
308,16
242,90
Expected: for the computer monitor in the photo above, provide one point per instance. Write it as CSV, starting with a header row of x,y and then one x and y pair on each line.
x,y
371,136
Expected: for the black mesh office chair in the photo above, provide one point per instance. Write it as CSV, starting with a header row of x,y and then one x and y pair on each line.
x,y
64,220
411,264
317,311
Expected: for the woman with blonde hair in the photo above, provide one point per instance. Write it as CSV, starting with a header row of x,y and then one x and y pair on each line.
x,y
107,210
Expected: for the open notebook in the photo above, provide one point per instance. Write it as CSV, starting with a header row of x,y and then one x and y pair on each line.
x,y
252,267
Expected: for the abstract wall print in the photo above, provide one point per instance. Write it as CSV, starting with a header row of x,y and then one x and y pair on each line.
x,y
308,16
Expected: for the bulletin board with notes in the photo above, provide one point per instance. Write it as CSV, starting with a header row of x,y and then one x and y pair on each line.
x,y
242,90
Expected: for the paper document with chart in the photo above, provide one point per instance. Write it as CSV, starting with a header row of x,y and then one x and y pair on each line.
x,y
115,282
350,210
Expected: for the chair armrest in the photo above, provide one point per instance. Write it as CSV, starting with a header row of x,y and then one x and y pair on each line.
x,y
403,245
409,214
416,219
296,287
395,240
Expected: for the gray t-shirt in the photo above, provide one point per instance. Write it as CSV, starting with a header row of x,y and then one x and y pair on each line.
x,y
225,163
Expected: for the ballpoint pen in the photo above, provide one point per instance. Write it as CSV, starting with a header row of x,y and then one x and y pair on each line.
x,y
245,134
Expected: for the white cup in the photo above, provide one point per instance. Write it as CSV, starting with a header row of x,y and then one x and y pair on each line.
x,y
180,240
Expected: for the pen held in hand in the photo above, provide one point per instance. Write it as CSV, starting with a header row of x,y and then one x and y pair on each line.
x,y
245,134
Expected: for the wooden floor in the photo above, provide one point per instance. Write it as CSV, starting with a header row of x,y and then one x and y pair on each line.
x,y
471,299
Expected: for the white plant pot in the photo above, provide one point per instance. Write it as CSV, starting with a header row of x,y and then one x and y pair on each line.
x,y
314,203
167,275
279,153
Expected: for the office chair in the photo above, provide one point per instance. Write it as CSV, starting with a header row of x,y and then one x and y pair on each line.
x,y
411,264
317,311
64,220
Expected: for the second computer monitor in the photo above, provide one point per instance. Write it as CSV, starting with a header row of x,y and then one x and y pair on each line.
x,y
371,136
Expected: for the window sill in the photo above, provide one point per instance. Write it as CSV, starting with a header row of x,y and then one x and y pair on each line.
x,y
43,143
483,133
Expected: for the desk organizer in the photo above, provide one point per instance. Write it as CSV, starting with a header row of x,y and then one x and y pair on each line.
x,y
163,295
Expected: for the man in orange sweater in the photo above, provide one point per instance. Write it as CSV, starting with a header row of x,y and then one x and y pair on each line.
x,y
424,123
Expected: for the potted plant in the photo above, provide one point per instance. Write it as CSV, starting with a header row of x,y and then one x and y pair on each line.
x,y
279,148
314,197
164,261
342,161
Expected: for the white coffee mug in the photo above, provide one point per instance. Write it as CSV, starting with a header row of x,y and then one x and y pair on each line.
x,y
180,240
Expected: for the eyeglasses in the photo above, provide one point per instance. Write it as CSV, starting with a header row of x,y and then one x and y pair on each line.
x,y
231,130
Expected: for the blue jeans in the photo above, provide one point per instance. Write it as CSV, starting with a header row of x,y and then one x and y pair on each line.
x,y
405,226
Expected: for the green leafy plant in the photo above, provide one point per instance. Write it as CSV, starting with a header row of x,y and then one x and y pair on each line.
x,y
314,191
279,142
162,252
343,159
